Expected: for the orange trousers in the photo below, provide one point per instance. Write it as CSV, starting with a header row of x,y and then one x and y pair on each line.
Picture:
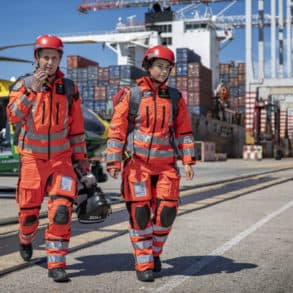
x,y
57,179
151,194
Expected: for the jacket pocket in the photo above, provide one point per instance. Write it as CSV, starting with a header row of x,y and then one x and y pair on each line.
x,y
136,185
29,193
168,185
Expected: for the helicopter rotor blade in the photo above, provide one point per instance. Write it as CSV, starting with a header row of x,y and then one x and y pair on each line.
x,y
14,46
10,59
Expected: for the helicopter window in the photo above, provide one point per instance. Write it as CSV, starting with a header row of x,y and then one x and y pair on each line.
x,y
92,122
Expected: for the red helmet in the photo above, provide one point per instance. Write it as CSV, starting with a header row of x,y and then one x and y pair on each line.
x,y
48,42
160,52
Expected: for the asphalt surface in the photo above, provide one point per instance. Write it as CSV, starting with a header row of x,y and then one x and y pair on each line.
x,y
242,245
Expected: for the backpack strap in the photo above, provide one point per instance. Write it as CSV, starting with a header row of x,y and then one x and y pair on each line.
x,y
69,91
28,79
175,96
134,102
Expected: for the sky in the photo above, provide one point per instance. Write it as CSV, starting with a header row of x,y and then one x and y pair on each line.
x,y
22,21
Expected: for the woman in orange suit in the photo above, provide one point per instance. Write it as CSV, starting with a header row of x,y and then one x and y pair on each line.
x,y
150,177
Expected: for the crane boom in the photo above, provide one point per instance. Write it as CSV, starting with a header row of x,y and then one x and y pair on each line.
x,y
88,5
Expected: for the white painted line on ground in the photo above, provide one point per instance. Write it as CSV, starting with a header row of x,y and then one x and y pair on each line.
x,y
198,266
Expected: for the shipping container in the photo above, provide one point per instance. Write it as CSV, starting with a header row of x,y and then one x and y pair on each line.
x,y
185,55
75,61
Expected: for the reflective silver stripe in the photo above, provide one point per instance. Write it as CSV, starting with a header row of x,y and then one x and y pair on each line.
x,y
57,245
157,248
133,232
142,244
148,139
114,144
77,139
32,135
56,258
144,258
16,111
154,153
159,228
161,239
147,94
44,150
188,151
37,136
25,101
114,157
185,140
79,149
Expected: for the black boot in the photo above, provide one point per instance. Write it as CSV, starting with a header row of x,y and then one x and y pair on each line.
x,y
26,251
58,275
157,264
145,276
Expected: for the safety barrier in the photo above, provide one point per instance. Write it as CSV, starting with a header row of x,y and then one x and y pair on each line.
x,y
252,152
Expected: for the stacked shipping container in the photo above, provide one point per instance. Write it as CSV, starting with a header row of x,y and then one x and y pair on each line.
x,y
194,81
97,85
233,77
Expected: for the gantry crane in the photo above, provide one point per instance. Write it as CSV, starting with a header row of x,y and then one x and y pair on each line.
x,y
94,5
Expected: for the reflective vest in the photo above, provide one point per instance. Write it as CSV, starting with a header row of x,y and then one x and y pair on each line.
x,y
50,126
151,138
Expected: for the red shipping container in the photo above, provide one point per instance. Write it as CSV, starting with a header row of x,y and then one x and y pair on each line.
x,y
181,83
75,61
103,73
194,69
100,92
185,96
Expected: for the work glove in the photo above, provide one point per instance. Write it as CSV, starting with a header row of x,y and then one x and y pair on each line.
x,y
88,180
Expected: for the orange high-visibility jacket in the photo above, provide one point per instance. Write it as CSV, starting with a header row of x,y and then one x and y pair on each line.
x,y
150,140
50,126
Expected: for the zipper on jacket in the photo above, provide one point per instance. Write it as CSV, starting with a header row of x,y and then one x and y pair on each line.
x,y
43,112
57,113
154,127
163,117
147,116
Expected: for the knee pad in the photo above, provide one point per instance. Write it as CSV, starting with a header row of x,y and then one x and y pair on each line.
x,y
166,212
29,217
30,220
140,214
61,216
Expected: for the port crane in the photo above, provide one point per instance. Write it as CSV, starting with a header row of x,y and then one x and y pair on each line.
x,y
94,5
163,25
